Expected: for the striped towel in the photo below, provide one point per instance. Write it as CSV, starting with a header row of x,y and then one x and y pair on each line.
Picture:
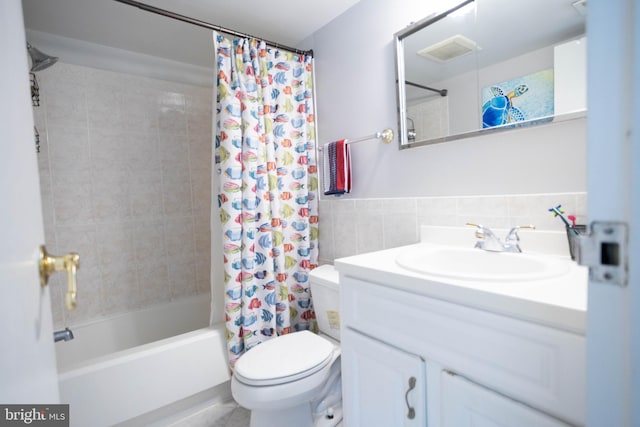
x,y
336,167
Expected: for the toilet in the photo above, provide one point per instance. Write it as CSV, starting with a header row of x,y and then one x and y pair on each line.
x,y
294,380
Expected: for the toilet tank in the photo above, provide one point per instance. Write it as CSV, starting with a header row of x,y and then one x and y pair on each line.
x,y
325,293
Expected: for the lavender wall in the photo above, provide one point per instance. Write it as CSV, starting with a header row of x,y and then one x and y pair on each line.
x,y
355,84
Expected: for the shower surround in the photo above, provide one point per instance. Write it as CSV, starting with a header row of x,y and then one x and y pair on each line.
x,y
125,171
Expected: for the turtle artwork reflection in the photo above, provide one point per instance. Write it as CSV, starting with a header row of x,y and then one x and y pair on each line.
x,y
500,110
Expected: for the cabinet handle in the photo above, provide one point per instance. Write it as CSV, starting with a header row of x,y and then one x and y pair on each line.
x,y
412,412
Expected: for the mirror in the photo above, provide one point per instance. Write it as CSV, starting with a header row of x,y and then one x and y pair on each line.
x,y
490,65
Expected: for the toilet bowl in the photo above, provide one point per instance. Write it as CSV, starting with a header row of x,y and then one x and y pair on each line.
x,y
294,380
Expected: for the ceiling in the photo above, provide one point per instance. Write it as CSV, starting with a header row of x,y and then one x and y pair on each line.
x,y
118,25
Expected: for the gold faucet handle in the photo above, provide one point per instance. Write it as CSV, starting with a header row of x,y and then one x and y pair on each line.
x,y
70,263
514,230
479,229
525,227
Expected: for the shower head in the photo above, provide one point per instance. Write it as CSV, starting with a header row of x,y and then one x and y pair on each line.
x,y
39,60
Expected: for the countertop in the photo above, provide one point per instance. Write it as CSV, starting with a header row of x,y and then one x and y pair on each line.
x,y
559,302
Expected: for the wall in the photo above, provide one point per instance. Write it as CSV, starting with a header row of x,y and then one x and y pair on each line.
x,y
355,85
501,180
355,226
125,178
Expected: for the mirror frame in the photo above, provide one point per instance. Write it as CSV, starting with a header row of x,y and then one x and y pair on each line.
x,y
401,98
403,140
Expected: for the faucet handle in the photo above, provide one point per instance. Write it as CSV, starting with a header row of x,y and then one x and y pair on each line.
x,y
480,229
481,234
512,239
487,240
513,233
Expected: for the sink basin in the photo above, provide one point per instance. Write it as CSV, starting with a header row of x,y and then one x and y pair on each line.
x,y
477,264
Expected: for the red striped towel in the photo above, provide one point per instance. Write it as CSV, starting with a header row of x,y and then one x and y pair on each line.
x,y
336,167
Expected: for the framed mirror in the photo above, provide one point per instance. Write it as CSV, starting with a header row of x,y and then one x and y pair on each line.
x,y
490,65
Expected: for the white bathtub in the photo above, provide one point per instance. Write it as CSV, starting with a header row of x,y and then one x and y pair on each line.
x,y
107,378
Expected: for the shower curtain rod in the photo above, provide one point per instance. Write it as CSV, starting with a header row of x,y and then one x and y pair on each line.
x,y
442,92
204,24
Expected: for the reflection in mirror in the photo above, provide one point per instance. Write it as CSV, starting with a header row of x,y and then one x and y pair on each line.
x,y
488,65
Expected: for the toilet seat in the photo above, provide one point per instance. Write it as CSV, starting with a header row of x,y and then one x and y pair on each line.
x,y
284,359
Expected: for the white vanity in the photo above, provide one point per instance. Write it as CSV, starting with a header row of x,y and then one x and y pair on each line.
x,y
426,346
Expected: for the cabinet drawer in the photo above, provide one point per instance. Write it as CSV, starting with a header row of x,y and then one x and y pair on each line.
x,y
537,365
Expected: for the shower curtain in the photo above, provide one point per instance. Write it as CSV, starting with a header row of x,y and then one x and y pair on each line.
x,y
265,146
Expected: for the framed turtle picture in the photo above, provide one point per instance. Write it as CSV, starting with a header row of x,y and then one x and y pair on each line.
x,y
524,99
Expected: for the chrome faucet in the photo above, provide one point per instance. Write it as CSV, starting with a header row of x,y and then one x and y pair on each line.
x,y
64,335
512,241
488,241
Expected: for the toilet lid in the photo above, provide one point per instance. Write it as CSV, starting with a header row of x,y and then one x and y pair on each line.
x,y
285,358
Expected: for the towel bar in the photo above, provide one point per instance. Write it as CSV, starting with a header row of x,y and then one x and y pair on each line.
x,y
386,135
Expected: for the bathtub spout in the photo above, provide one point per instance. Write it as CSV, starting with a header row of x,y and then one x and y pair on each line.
x,y
65,335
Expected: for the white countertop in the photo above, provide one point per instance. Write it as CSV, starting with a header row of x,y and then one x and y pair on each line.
x,y
559,302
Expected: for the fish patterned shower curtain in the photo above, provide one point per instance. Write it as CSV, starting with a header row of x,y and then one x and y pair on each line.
x,y
265,145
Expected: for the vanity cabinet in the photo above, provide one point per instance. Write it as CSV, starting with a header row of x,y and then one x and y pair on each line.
x,y
383,385
466,404
472,367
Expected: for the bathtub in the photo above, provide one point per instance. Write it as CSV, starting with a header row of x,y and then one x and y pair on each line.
x,y
131,365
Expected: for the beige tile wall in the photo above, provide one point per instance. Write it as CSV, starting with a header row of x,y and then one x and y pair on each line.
x,y
355,226
126,181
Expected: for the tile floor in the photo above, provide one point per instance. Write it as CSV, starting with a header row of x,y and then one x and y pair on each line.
x,y
220,415
228,414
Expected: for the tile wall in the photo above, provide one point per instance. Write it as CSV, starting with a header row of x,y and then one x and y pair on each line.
x,y
430,118
126,181
355,226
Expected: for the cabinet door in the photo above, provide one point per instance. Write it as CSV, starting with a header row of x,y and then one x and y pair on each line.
x,y
382,385
467,404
